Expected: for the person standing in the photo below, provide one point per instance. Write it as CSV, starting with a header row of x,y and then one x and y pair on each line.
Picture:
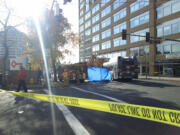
x,y
39,76
22,79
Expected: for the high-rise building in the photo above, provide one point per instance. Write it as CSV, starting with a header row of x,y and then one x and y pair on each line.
x,y
101,23
15,43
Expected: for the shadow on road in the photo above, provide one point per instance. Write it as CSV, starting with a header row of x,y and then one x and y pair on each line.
x,y
101,123
130,95
149,84
26,116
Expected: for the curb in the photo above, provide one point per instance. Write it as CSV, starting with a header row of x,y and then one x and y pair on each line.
x,y
160,78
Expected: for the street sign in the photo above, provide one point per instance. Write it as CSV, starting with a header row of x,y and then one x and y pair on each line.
x,y
15,63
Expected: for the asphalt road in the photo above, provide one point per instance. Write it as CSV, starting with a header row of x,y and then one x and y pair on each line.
x,y
23,116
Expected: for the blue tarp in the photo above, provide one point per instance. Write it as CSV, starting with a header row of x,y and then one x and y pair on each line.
x,y
98,74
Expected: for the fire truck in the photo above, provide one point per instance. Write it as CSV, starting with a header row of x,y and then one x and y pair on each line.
x,y
123,68
75,72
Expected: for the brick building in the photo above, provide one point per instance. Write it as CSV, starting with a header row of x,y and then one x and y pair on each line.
x,y
101,23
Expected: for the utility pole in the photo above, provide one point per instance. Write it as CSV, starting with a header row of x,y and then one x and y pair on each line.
x,y
148,41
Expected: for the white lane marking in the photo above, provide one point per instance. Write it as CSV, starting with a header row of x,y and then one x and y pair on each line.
x,y
73,122
102,95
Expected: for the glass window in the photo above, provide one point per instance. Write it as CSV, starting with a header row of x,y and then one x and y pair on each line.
x,y
141,19
81,28
134,51
88,50
144,19
137,38
87,5
146,49
170,7
95,48
141,51
106,11
87,41
159,32
87,15
87,24
95,9
95,18
175,28
119,15
95,28
175,7
106,45
95,38
167,30
159,49
167,10
118,28
106,34
88,32
81,5
176,48
134,22
81,21
167,49
118,42
138,5
123,53
103,2
134,7
134,39
106,23
82,36
142,34
159,13
81,12
169,27
141,4
118,3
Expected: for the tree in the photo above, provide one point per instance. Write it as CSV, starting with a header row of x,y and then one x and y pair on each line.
x,y
54,31
5,23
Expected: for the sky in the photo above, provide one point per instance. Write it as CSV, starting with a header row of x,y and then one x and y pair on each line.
x,y
26,8
71,12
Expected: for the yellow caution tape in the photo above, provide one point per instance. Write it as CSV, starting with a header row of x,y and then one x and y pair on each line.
x,y
162,115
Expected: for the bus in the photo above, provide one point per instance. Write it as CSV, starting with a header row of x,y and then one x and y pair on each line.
x,y
123,68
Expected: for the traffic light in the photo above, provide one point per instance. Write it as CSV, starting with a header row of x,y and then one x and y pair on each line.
x,y
124,33
147,37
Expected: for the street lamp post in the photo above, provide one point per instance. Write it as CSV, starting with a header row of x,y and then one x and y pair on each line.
x,y
146,61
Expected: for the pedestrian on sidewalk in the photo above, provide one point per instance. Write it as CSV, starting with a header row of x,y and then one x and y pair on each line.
x,y
22,79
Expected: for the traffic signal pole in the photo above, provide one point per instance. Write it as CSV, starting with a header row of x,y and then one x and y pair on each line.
x,y
153,39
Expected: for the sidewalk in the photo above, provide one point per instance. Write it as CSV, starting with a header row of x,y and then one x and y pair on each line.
x,y
37,86
160,78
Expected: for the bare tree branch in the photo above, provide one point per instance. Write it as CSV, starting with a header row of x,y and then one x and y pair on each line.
x,y
7,18
18,25
1,23
6,5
